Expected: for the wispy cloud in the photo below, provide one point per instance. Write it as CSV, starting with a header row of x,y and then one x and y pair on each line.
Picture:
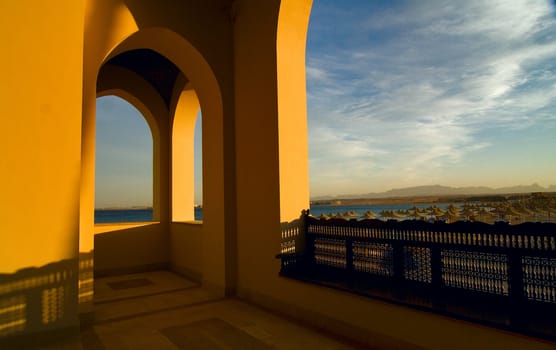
x,y
407,91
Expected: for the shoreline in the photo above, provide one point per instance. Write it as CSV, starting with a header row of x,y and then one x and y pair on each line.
x,y
428,199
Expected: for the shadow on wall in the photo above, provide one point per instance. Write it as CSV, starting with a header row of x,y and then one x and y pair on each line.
x,y
37,299
292,235
129,248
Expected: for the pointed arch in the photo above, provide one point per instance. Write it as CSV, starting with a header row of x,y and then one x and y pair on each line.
x,y
121,82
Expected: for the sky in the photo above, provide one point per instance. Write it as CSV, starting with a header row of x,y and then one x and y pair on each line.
x,y
409,93
124,155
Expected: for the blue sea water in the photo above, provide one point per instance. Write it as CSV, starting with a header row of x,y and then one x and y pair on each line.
x,y
131,215
146,215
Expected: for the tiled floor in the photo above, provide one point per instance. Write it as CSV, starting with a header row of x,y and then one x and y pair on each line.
x,y
160,310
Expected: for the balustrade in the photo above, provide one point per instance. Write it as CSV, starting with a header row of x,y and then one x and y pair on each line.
x,y
464,269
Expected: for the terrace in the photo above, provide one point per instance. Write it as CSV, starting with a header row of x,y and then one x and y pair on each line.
x,y
67,282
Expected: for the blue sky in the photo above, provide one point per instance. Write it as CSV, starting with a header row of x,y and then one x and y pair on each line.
x,y
411,93
123,174
404,93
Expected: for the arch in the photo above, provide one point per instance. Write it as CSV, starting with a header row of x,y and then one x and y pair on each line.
x,y
136,102
121,82
200,75
155,137
131,87
107,23
188,59
193,65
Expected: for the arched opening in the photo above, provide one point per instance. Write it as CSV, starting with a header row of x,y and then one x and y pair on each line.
x,y
433,102
146,79
151,73
198,167
194,72
124,163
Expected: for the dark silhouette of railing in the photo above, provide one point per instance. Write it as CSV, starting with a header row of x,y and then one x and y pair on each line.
x,y
37,299
500,275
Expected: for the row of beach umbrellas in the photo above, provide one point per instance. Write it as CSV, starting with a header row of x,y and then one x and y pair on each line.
x,y
468,211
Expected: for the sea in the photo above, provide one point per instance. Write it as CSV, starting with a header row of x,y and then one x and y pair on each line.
x,y
146,215
104,216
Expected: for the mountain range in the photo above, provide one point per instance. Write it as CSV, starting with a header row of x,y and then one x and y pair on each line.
x,y
438,190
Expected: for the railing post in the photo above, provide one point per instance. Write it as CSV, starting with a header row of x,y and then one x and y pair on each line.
x,y
301,239
436,269
349,261
35,308
515,280
308,241
398,262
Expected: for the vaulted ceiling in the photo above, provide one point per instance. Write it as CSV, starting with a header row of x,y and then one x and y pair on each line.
x,y
156,69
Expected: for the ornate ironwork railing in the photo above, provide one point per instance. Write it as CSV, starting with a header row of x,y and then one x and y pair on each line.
x,y
500,275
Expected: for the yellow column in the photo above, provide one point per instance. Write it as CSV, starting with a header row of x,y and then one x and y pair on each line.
x,y
292,108
183,131
271,133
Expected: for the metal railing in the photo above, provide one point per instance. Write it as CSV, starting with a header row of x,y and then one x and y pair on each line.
x,y
500,275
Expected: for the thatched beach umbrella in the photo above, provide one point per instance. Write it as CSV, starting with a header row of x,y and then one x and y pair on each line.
x,y
397,215
484,215
437,212
416,214
369,215
452,213
392,214
385,214
468,213
416,209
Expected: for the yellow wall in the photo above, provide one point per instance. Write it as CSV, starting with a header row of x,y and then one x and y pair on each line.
x,y
130,247
186,253
40,107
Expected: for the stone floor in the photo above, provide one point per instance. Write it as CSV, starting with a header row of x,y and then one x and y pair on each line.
x,y
162,311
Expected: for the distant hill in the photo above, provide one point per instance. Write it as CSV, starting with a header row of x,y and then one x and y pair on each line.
x,y
438,190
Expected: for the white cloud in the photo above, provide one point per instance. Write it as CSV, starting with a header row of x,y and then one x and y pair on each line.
x,y
317,74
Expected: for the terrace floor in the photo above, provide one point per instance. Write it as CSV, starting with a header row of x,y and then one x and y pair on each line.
x,y
160,310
